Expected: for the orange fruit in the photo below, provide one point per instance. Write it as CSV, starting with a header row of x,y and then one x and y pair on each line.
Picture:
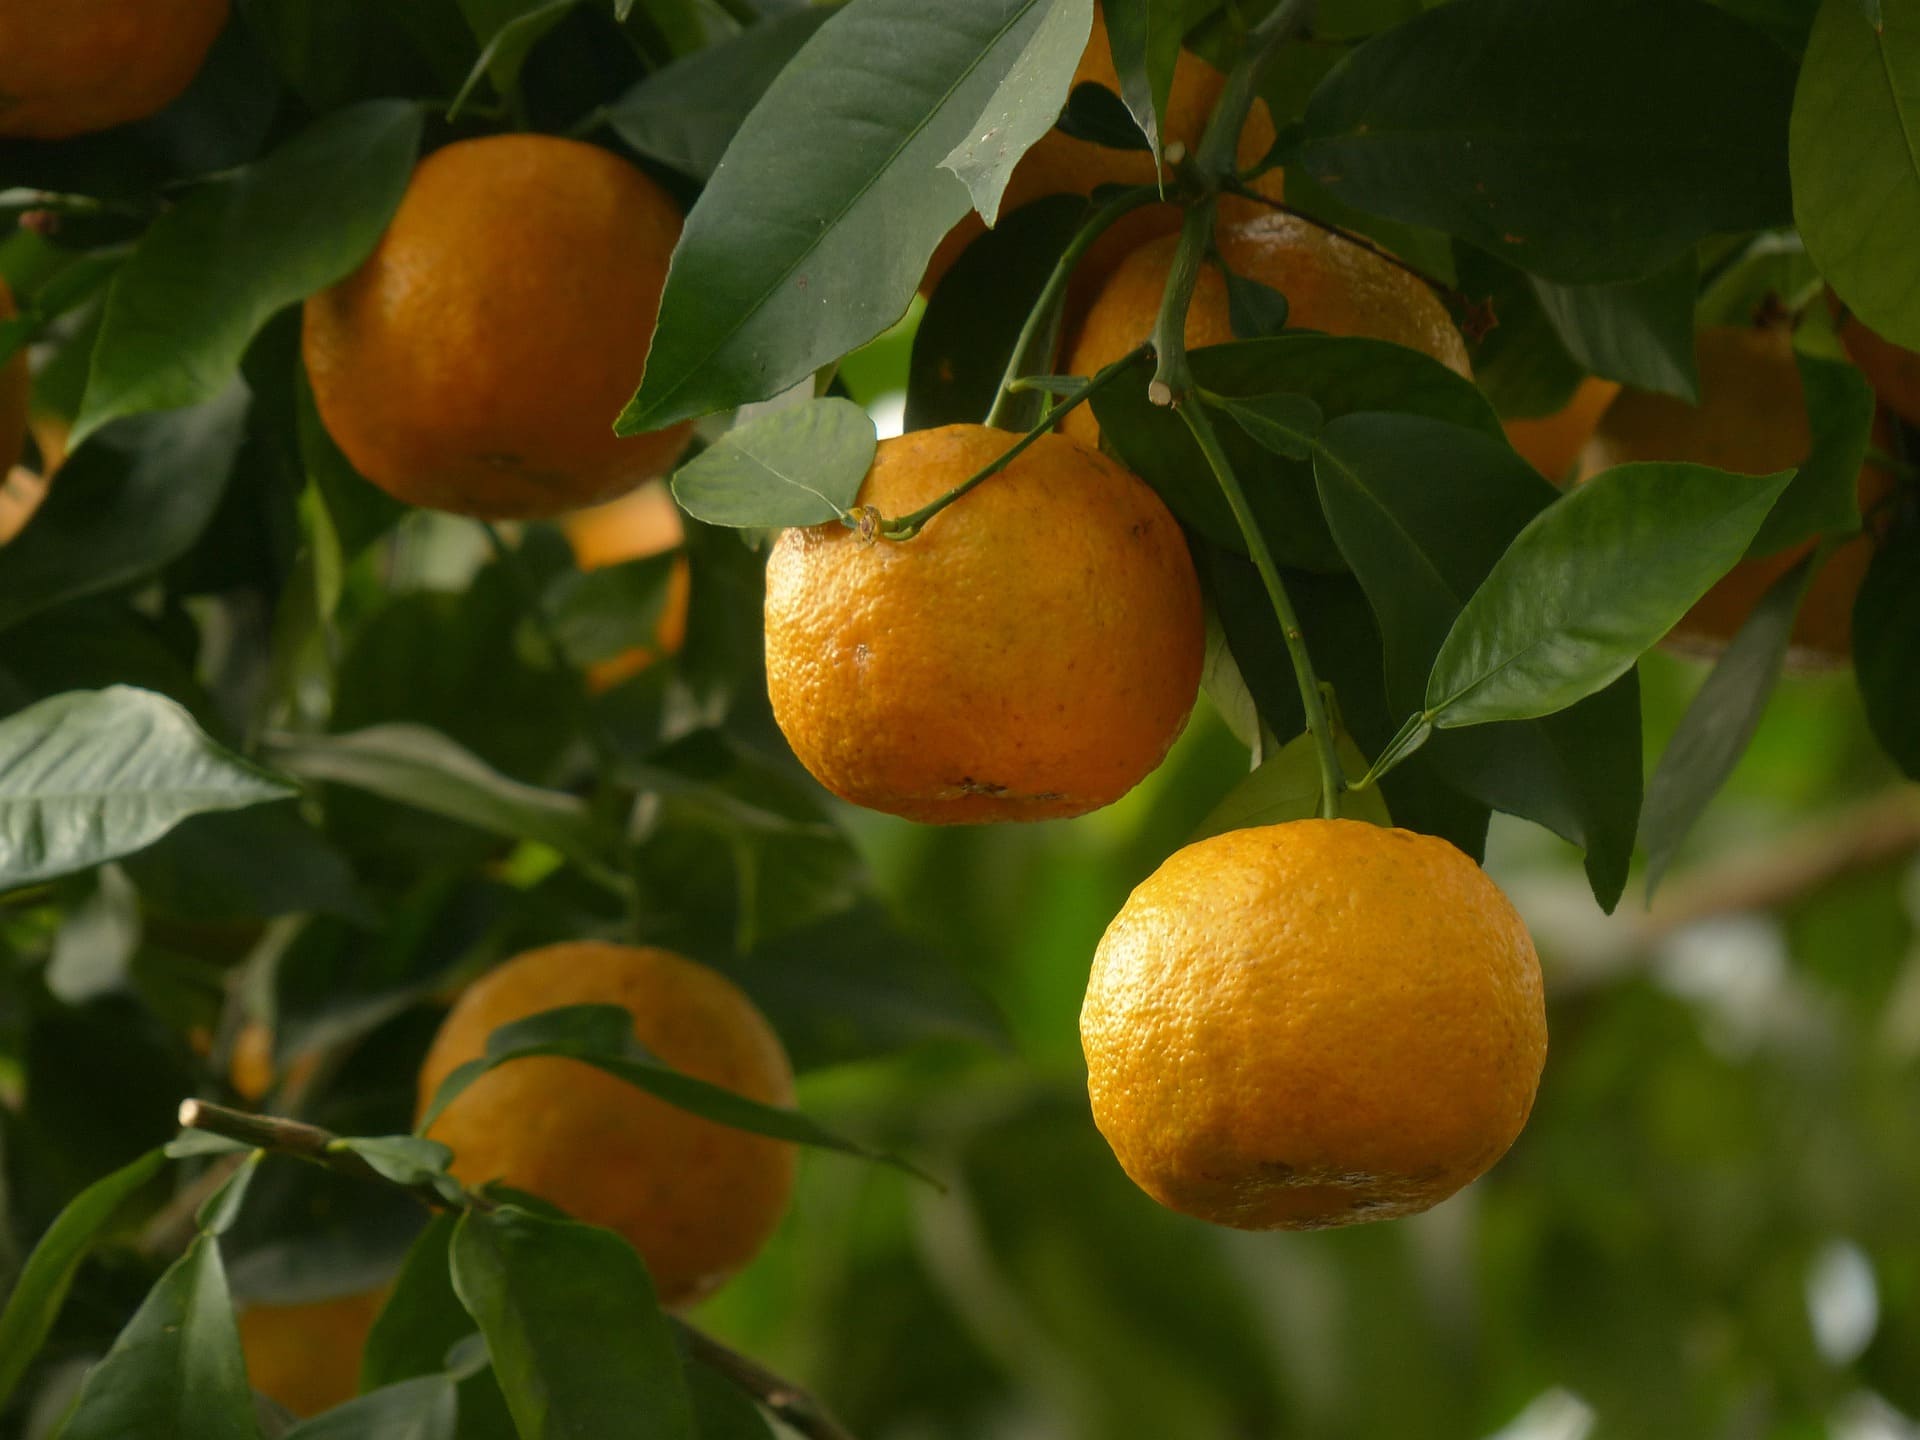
x,y
306,1358
250,1068
1032,653
1058,164
696,1199
68,67
1331,284
1312,1024
640,523
478,358
1752,418
1551,443
1894,372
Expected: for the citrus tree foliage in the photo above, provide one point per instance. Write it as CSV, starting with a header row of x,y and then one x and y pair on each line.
x,y
278,753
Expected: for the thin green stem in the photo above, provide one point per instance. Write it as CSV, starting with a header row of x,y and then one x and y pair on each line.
x,y
1312,698
1045,307
906,527
1172,377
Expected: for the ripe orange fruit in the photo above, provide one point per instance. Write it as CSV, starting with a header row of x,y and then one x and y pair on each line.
x,y
68,67
1312,1024
696,1199
640,523
1894,372
1331,284
306,1358
477,360
1551,443
1752,418
1031,654
1058,164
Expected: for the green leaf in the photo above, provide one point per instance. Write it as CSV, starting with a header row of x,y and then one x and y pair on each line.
x,y
799,466
507,47
427,1408
361,512
212,270
1855,152
602,1036
616,608
219,1211
721,1411
1886,637
1255,309
95,774
1423,511
129,502
814,232
1639,332
1506,122
423,768
1521,365
408,1160
579,1343
42,1284
248,864
1287,787
1288,425
1145,36
175,1372
686,113
1552,624
422,1318
1720,722
1824,496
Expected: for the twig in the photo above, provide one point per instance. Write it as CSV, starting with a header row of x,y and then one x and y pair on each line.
x,y
795,1407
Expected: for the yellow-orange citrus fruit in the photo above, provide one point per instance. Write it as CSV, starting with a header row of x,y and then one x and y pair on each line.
x,y
696,1199
1058,164
1313,1024
250,1068
1752,418
306,1358
478,358
1551,443
14,386
640,523
68,67
1893,371
1331,284
1031,654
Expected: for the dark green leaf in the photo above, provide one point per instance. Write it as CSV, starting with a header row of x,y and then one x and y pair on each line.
x,y
129,502
579,1343
422,1318
1288,425
1503,122
94,774
1552,624
211,272
686,113
1886,637
42,1284
404,1159
1144,36
1824,498
361,512
219,1211
248,864
1719,723
1098,116
1287,787
424,1409
799,466
1255,310
721,1411
1855,152
507,47
1639,332
814,233
1521,365
176,1372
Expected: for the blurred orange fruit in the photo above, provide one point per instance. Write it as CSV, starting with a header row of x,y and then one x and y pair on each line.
x,y
1551,443
1031,654
68,67
639,524
696,1199
250,1067
478,358
1752,418
306,1358
1313,1024
1894,372
1331,284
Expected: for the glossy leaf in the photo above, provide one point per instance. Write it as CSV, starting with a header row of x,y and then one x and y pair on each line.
x,y
41,1286
1505,122
1288,425
408,1160
1145,36
424,1409
1886,637
1552,624
1287,787
1824,496
1255,309
175,1372
1856,161
799,466
422,1318
95,774
686,113
1639,332
579,1343
212,270
815,230
1719,724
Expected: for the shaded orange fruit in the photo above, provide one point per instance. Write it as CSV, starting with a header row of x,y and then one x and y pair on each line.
x,y
696,1199
1031,654
1058,164
1752,418
1331,284
478,358
1551,443
306,1358
641,523
1893,371
68,67
1313,1024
